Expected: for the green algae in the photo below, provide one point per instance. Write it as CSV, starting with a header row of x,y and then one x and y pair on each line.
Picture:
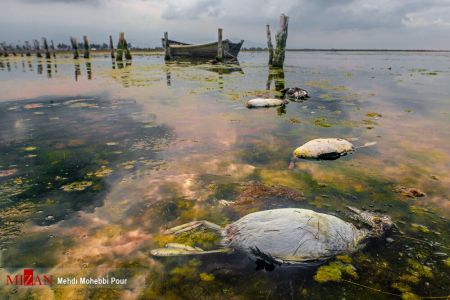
x,y
335,272
76,186
206,277
420,228
187,272
373,115
321,122
447,262
201,238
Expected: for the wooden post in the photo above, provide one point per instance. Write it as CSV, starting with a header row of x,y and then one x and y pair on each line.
x,y
37,48
28,48
86,46
47,51
53,49
280,38
5,51
269,44
219,46
73,41
168,54
127,51
13,50
119,56
111,46
20,50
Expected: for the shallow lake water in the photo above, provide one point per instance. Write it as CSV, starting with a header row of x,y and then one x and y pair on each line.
x,y
97,158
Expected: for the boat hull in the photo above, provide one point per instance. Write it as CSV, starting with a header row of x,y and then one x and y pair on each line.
x,y
178,49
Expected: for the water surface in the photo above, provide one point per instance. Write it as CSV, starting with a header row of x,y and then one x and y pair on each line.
x,y
96,157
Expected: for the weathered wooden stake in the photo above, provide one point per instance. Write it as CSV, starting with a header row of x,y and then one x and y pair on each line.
x,y
20,50
28,48
37,48
4,50
168,54
47,51
53,49
119,54
86,46
280,38
13,50
111,46
127,51
73,41
269,44
219,46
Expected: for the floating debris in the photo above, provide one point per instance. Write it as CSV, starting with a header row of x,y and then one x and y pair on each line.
x,y
265,102
76,186
331,148
409,192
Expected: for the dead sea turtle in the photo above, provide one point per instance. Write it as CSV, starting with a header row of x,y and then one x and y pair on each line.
x,y
265,102
287,236
295,93
328,148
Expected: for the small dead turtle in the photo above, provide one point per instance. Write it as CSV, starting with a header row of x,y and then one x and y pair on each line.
x,y
288,236
265,102
331,148
295,93
327,149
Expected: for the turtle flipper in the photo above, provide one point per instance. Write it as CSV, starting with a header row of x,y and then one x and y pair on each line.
x,y
191,226
175,249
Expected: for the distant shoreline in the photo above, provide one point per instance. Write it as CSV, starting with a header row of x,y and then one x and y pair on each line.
x,y
350,50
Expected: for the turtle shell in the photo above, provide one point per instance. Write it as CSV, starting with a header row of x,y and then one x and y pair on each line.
x,y
331,148
292,235
264,102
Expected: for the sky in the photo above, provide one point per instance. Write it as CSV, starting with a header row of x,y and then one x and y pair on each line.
x,y
376,24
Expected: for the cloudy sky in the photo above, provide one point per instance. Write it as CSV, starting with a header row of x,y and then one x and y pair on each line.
x,y
395,24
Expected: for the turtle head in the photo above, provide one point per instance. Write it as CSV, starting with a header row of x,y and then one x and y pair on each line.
x,y
378,224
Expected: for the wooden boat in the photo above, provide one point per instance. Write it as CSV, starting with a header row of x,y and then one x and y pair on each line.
x,y
209,50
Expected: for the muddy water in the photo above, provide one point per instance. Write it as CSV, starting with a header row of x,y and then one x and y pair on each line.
x,y
97,157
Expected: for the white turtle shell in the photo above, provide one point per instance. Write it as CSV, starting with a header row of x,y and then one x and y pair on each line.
x,y
292,235
324,148
264,102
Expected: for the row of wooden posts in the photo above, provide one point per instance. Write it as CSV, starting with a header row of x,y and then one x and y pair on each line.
x,y
49,50
27,49
276,56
